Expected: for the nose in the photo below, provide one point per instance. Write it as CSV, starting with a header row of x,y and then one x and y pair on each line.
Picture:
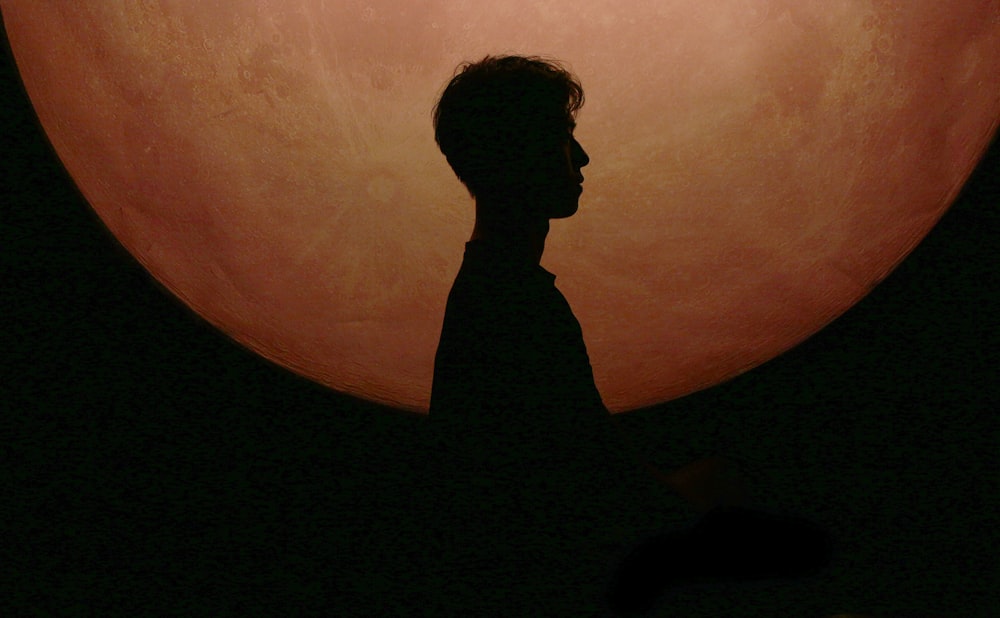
x,y
579,155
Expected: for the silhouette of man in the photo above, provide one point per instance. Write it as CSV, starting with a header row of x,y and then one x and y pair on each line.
x,y
513,401
511,365
513,387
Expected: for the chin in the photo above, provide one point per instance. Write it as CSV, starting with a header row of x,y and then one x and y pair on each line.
x,y
565,209
564,212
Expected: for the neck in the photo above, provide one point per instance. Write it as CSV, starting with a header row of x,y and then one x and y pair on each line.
x,y
522,237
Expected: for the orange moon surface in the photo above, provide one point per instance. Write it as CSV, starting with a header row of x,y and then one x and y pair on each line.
x,y
756,166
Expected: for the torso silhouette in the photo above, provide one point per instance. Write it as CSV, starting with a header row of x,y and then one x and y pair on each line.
x,y
512,378
534,471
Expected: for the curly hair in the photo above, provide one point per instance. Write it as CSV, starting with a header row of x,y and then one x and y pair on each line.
x,y
496,110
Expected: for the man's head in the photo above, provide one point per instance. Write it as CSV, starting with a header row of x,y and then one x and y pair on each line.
x,y
505,125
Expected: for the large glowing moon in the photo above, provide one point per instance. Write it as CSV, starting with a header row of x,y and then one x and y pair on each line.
x,y
756,166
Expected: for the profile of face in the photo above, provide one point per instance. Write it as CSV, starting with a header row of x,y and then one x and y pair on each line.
x,y
554,180
574,158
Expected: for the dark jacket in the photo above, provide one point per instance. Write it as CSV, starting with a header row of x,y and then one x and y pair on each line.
x,y
512,370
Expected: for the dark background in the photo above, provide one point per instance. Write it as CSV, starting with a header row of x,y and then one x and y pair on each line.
x,y
154,464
